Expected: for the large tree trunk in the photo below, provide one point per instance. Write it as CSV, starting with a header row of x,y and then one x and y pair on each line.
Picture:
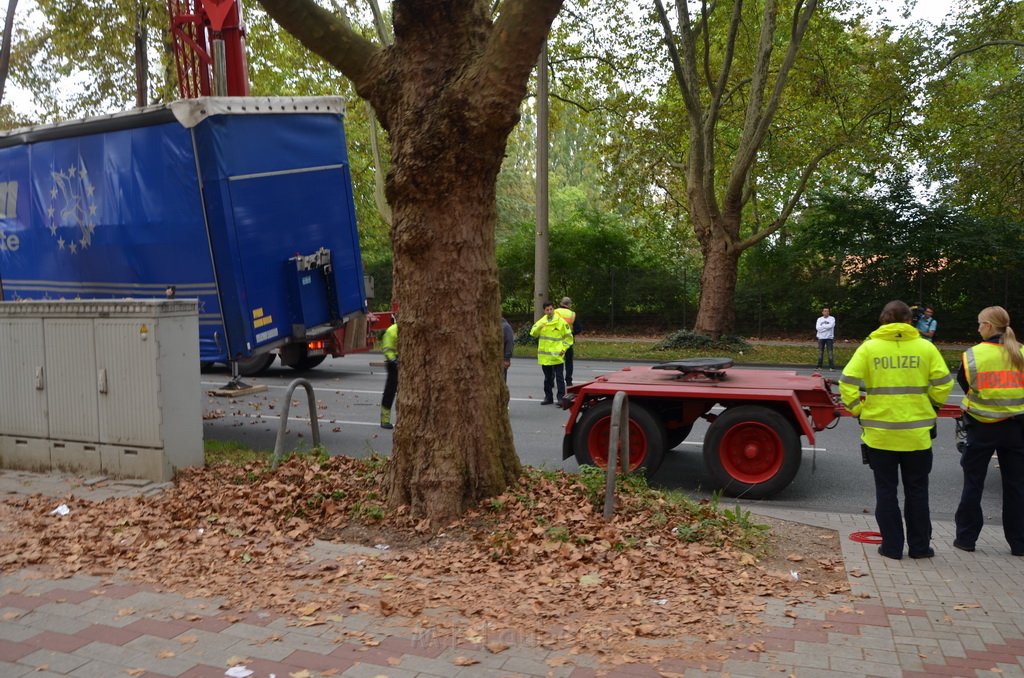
x,y
448,92
716,314
454,446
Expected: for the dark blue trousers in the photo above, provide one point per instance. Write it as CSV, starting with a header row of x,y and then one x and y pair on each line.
x,y
554,378
1006,440
915,466
390,384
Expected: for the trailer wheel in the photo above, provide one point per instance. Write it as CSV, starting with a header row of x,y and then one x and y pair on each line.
x,y
258,364
752,451
646,437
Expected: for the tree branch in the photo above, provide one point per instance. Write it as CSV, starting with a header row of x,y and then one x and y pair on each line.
x,y
760,114
329,35
515,41
989,43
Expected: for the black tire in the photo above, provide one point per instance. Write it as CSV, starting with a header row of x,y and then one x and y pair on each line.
x,y
256,365
308,363
646,437
299,359
675,436
752,451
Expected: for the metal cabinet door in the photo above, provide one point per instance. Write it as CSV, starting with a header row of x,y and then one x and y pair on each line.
x,y
71,379
23,378
129,381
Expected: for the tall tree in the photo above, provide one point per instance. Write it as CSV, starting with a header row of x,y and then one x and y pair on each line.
x,y
745,173
971,136
447,91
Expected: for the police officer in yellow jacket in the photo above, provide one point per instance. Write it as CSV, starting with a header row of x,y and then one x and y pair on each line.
x,y
905,381
569,316
554,339
389,345
992,376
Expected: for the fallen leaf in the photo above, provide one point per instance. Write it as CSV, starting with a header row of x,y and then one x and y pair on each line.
x,y
465,661
795,557
495,647
301,674
165,654
185,640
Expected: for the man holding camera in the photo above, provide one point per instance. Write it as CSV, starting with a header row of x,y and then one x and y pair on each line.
x,y
925,323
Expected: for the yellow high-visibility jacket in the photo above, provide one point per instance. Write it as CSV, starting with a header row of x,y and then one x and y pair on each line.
x,y
996,386
389,342
554,338
904,379
569,316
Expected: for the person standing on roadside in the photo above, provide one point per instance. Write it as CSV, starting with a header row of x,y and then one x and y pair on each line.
x,y
554,339
825,327
926,324
992,376
569,316
508,340
905,381
389,345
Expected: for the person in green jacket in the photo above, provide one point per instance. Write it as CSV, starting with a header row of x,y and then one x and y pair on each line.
x,y
389,344
554,339
905,381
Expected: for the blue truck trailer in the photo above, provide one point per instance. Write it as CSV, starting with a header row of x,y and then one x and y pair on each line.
x,y
243,203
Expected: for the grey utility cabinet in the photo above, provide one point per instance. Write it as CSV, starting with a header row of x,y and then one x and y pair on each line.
x,y
101,386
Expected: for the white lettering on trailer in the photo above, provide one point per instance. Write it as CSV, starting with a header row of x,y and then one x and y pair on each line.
x,y
9,200
9,242
266,335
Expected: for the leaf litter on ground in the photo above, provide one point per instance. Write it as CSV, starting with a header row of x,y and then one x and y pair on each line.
x,y
538,564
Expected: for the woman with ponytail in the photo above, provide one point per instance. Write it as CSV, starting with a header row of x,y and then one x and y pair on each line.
x,y
992,377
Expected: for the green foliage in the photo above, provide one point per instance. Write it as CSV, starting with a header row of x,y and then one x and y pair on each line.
x,y
710,524
686,339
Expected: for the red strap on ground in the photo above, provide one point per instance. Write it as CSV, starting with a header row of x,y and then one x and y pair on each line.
x,y
866,537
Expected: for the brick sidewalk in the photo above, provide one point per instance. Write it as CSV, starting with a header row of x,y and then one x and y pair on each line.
x,y
958,614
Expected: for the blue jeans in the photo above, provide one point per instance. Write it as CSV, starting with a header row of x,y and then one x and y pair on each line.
x,y
822,345
915,466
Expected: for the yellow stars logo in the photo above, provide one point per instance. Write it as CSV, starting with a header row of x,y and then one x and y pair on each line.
x,y
72,207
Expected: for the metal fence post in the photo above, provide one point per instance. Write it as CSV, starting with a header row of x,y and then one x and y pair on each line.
x,y
618,448
314,424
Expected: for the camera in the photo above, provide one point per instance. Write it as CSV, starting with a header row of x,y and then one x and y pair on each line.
x,y
916,311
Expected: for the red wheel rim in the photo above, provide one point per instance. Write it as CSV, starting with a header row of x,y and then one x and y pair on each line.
x,y
597,443
751,452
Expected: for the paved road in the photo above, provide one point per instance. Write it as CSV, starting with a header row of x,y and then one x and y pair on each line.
x,y
831,478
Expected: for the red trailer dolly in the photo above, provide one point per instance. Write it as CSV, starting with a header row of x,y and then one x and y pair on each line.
x,y
752,447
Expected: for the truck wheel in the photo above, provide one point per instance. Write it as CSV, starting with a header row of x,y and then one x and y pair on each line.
x,y
307,363
674,436
298,358
258,364
752,451
646,437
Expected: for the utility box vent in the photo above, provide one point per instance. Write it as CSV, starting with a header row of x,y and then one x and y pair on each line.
x,y
101,387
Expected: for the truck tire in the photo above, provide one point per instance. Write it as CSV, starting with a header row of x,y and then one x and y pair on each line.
x,y
307,363
646,437
258,364
752,451
298,358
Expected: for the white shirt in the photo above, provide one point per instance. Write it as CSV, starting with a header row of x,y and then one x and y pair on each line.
x,y
825,327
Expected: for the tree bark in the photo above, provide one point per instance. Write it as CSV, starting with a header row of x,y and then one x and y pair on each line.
x,y
141,57
716,314
448,93
5,50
